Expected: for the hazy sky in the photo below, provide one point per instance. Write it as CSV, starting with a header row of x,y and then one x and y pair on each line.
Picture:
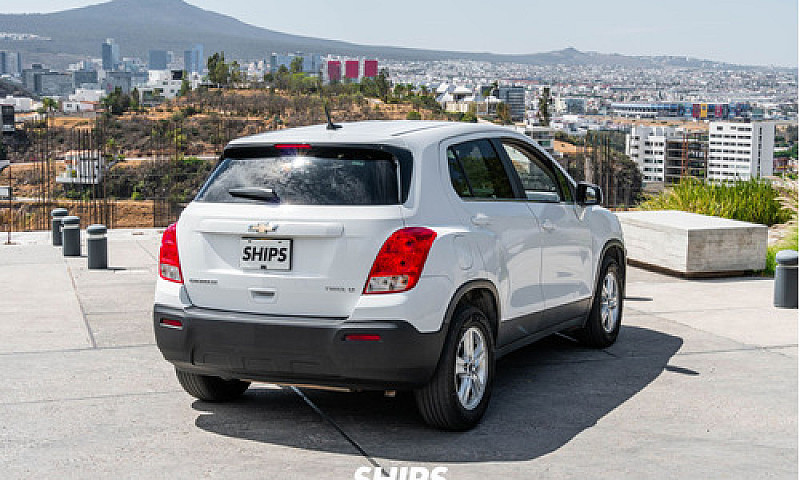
x,y
757,32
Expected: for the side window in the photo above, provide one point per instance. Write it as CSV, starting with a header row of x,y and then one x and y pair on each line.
x,y
566,188
477,171
540,183
457,177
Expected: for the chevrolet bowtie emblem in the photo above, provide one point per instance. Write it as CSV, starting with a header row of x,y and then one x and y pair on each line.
x,y
262,228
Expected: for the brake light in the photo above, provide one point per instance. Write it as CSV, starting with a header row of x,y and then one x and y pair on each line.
x,y
399,263
293,146
169,265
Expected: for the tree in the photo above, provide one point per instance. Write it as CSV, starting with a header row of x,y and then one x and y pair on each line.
x,y
186,87
504,113
413,115
116,102
218,71
544,107
471,115
297,65
135,100
235,73
383,84
49,105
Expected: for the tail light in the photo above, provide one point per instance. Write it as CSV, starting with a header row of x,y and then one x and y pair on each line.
x,y
169,265
399,262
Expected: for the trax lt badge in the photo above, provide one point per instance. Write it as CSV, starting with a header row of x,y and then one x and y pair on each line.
x,y
263,228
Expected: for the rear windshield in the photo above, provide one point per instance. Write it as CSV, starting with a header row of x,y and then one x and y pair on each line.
x,y
306,175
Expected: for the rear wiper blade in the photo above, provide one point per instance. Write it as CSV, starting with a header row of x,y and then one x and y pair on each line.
x,y
255,193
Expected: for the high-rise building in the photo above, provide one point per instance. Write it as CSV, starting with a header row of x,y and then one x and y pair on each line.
x,y
351,69
646,146
194,61
19,63
157,60
110,55
740,151
334,71
312,62
84,78
686,155
3,63
370,68
514,97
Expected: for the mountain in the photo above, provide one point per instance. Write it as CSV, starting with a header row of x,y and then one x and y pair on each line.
x,y
141,25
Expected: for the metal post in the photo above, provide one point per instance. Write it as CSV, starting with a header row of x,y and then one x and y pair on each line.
x,y
97,247
785,295
56,216
71,236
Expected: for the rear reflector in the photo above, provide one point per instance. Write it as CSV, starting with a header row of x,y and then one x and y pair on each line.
x,y
361,337
170,323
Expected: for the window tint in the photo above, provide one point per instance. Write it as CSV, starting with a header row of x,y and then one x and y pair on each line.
x,y
457,176
316,176
481,165
540,184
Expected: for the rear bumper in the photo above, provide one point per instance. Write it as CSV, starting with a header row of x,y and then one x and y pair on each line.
x,y
298,350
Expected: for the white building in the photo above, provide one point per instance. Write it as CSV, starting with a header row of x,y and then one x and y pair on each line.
x,y
165,85
20,104
72,106
740,151
87,95
544,136
82,168
647,147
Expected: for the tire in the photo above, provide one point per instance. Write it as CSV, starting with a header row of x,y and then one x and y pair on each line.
x,y
452,401
211,389
604,320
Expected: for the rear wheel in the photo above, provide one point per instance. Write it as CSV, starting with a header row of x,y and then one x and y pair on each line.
x,y
209,388
458,394
603,324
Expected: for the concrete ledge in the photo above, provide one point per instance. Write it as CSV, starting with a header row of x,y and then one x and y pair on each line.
x,y
693,245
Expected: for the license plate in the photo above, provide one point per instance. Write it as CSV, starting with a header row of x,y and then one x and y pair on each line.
x,y
263,254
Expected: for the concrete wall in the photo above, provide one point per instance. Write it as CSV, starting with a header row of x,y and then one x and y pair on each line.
x,y
692,244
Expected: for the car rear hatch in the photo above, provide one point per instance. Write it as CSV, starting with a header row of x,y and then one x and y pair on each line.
x,y
291,230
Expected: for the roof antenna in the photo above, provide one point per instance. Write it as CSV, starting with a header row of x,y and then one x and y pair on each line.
x,y
331,125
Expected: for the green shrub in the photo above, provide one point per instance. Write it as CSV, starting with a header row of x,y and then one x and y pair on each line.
x,y
787,243
754,200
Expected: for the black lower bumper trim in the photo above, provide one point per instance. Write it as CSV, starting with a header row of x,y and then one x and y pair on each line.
x,y
297,350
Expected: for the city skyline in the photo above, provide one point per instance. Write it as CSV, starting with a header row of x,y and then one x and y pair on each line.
x,y
731,32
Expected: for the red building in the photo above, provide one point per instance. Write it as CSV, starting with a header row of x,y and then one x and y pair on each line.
x,y
334,71
351,69
370,68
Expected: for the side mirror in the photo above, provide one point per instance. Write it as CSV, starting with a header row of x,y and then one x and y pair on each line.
x,y
589,194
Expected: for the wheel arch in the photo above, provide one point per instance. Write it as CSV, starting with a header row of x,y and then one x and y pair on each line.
x,y
480,293
616,249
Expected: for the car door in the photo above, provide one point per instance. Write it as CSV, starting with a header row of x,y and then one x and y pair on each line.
x,y
566,242
505,231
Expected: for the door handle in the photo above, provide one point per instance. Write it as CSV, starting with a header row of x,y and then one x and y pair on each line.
x,y
480,219
548,226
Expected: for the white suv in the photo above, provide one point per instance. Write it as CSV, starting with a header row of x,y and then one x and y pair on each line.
x,y
384,255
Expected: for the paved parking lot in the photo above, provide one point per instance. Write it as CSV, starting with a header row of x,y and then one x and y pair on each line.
x,y
701,384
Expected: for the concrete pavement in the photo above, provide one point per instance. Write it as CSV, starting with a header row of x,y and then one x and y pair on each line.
x,y
701,384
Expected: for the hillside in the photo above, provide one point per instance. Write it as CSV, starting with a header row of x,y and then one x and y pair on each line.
x,y
141,25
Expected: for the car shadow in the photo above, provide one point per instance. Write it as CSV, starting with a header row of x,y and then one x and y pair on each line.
x,y
544,395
